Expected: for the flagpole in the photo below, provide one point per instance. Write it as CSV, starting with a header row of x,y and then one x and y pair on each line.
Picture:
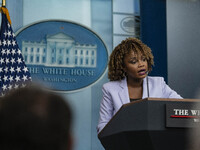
x,y
4,3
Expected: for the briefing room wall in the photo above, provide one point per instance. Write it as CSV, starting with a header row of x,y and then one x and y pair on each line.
x,y
183,37
15,8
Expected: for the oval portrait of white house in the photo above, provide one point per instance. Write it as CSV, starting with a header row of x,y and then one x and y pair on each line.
x,y
62,55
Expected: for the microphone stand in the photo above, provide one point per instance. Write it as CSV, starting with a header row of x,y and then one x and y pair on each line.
x,y
147,86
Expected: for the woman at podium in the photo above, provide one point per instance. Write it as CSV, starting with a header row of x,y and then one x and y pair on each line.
x,y
128,68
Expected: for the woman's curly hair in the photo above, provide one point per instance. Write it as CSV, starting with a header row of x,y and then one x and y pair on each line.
x,y
116,62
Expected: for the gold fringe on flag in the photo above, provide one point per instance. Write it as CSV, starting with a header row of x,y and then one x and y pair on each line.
x,y
5,11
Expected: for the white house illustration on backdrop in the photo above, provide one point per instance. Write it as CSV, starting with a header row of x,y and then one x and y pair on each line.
x,y
59,50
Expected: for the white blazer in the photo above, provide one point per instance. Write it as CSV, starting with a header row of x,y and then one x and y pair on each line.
x,y
115,94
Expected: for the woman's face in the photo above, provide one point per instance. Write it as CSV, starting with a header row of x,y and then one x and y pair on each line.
x,y
135,65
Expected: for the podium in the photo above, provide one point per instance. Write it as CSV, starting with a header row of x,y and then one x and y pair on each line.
x,y
152,124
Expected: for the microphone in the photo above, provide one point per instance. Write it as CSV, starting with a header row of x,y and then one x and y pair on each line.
x,y
147,85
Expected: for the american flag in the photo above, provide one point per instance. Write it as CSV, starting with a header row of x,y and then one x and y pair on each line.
x,y
13,71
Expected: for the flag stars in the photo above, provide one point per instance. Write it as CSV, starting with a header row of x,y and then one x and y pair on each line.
x,y
8,25
10,87
25,69
6,69
23,85
12,60
11,78
1,60
13,43
12,69
17,78
16,86
7,60
4,87
13,34
9,34
13,52
8,51
8,42
19,52
3,51
5,33
24,78
18,69
5,78
19,60
4,42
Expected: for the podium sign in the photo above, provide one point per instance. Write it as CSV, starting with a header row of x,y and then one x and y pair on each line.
x,y
182,115
151,124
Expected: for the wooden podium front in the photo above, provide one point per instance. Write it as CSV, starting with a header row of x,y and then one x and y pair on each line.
x,y
152,124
